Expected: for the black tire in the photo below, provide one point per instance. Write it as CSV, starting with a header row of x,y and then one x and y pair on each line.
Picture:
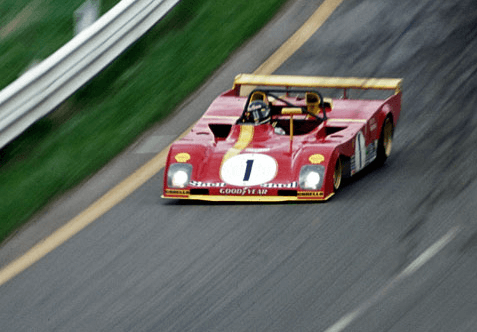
x,y
385,141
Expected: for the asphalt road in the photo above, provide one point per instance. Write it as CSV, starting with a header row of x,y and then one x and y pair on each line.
x,y
395,250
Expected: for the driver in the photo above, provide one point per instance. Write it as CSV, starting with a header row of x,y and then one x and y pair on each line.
x,y
258,112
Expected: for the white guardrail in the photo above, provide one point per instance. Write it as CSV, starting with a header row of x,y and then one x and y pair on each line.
x,y
41,89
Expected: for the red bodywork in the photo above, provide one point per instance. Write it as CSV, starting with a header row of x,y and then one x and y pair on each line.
x,y
216,140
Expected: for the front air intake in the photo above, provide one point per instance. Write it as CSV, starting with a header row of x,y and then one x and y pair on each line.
x,y
199,191
287,193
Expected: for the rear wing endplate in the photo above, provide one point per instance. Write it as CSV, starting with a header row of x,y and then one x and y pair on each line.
x,y
290,81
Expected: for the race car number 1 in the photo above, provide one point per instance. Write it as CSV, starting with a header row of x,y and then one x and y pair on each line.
x,y
249,169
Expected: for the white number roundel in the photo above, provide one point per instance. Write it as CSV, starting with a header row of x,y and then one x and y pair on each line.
x,y
249,169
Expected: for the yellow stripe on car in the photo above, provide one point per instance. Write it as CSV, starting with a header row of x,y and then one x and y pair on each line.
x,y
244,139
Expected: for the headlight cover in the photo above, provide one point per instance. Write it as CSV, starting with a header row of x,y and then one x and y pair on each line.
x,y
311,176
178,175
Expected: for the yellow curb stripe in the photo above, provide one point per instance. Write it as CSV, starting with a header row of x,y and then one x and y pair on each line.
x,y
88,216
93,212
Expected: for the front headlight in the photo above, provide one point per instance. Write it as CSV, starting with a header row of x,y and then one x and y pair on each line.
x,y
311,177
178,175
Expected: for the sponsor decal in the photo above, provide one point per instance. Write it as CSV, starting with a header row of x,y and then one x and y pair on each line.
x,y
177,192
363,157
371,151
243,191
280,185
207,185
255,107
182,157
310,194
316,158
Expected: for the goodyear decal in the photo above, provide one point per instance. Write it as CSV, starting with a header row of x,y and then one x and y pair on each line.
x,y
243,191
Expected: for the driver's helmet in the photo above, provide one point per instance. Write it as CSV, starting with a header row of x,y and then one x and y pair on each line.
x,y
257,112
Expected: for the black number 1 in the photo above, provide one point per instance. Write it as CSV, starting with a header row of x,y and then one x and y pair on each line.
x,y
248,170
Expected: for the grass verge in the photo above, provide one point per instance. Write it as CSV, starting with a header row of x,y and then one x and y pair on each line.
x,y
140,88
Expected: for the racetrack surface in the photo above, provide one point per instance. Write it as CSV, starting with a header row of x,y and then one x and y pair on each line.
x,y
395,250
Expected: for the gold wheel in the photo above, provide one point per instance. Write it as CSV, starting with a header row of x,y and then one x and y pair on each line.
x,y
388,137
337,175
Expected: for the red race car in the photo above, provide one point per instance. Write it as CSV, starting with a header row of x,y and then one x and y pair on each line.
x,y
282,141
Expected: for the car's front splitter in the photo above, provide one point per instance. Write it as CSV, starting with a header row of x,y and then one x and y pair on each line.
x,y
305,196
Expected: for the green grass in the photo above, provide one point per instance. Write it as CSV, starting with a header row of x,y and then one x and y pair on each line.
x,y
140,88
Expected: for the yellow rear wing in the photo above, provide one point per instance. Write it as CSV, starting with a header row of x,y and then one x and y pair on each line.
x,y
289,81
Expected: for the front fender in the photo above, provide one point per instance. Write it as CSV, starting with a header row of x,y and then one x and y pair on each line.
x,y
196,155
320,155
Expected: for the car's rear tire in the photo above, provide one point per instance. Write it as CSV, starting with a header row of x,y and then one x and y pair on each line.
x,y
385,141
337,175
